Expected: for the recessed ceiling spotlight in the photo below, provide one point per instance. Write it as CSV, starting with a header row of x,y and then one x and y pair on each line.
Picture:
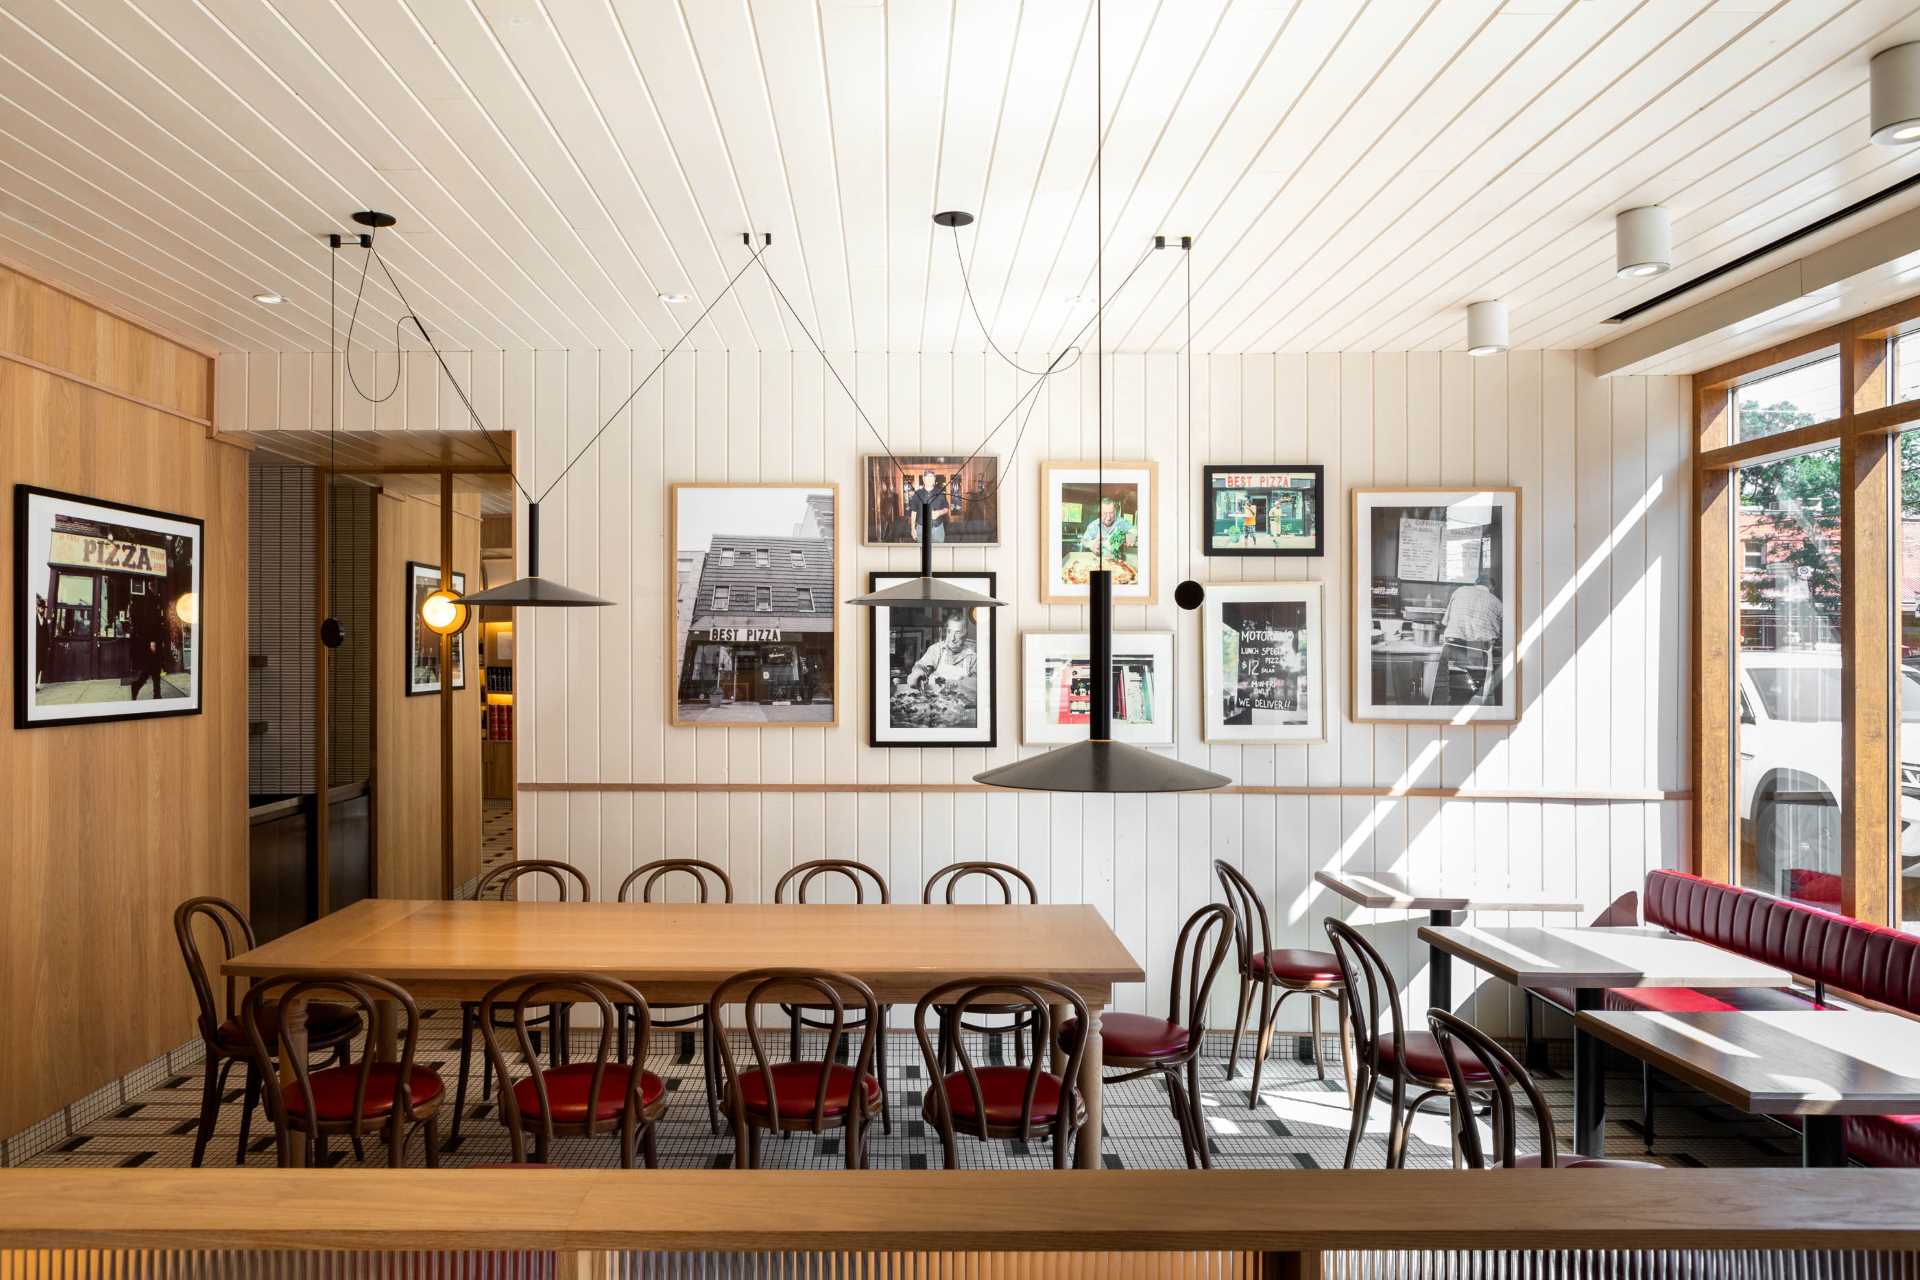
x,y
1894,94
1486,328
675,299
268,298
1642,242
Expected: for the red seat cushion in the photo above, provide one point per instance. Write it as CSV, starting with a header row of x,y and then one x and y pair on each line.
x,y
567,1092
1290,964
795,1085
1694,1000
1423,1057
1559,997
1004,1090
1531,1160
1885,1142
333,1090
328,1023
1131,1035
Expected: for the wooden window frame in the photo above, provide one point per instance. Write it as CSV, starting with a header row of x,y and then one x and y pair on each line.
x,y
1866,432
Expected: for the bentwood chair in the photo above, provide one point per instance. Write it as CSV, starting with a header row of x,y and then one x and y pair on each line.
x,y
370,1097
330,1027
1002,1102
811,1096
1278,973
1013,886
710,882
1384,1047
496,883
1493,1071
1141,1045
580,1099
797,886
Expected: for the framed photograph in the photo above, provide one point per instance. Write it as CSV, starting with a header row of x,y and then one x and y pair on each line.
x,y
1085,524
107,608
966,509
935,672
756,594
1056,687
1436,605
1263,663
423,646
1261,511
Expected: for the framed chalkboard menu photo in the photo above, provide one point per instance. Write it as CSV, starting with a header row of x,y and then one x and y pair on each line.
x,y
1262,658
1435,591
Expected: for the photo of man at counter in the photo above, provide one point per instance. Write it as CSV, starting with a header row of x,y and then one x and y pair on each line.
x,y
1439,626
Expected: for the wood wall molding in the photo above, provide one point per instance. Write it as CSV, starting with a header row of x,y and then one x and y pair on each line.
x,y
734,1210
1469,794
105,390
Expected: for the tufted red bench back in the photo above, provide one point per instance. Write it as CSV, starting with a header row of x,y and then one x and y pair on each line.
x,y
1850,955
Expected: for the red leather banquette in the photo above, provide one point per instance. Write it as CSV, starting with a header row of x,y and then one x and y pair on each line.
x,y
1828,949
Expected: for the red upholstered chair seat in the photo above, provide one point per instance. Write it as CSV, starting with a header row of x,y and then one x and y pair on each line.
x,y
1885,1142
1559,997
795,1085
1131,1035
1699,1000
333,1090
1423,1058
1291,964
1531,1160
325,1022
567,1092
1004,1090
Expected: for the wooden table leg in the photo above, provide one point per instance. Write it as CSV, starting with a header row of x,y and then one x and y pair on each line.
x,y
386,1031
293,1036
1061,1014
1087,1153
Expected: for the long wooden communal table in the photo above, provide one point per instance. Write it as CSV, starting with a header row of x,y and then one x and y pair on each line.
x,y
1287,1216
679,953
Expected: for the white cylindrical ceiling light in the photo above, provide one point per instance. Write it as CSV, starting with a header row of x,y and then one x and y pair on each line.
x,y
1895,76
1642,242
1486,328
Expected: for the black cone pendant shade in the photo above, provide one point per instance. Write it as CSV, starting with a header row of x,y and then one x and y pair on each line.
x,y
926,589
1101,764
534,591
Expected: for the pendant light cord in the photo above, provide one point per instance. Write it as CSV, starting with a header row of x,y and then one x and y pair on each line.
x,y
1099,280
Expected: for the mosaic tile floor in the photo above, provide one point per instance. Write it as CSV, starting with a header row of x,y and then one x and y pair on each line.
x,y
1299,1122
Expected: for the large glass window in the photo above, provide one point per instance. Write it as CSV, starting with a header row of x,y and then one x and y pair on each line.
x,y
1906,550
1787,677
1799,396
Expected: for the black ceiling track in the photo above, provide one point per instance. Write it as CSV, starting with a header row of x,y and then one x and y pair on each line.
x,y
1819,224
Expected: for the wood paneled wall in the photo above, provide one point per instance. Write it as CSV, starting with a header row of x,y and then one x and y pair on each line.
x,y
406,770
1600,462
106,827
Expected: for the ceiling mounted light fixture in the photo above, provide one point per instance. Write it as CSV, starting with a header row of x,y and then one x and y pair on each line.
x,y
1642,242
1101,765
676,299
268,298
1486,328
1894,95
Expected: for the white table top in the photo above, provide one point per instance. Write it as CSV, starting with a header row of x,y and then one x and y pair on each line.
x,y
1811,1062
1616,957
1387,890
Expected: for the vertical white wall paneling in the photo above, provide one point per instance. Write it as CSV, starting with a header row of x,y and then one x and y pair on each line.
x,y
1603,561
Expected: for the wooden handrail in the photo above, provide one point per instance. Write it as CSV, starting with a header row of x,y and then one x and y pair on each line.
x,y
1110,1211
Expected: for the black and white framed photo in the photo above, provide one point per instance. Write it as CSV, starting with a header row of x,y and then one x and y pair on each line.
x,y
756,586
1261,510
1263,663
934,669
108,601
957,490
1056,680
423,644
1436,605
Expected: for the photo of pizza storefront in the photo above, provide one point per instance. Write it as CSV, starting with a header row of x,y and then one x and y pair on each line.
x,y
761,625
105,586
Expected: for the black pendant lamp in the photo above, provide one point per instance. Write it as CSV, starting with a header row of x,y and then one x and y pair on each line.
x,y
926,590
534,591
1100,764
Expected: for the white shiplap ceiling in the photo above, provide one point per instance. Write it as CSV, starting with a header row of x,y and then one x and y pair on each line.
x,y
1354,173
